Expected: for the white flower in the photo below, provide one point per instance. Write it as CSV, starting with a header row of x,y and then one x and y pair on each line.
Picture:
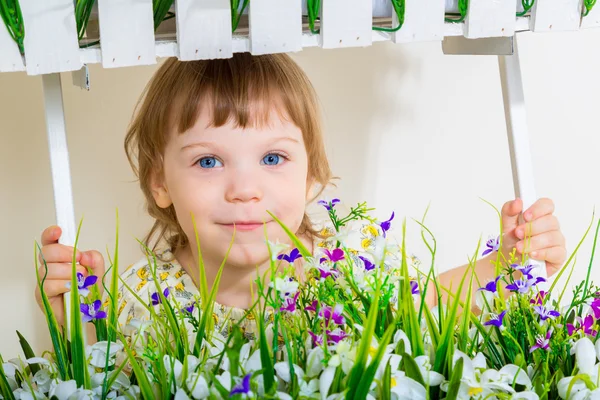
x,y
585,360
198,386
63,390
345,356
286,287
282,369
430,377
405,388
314,362
276,248
97,353
43,380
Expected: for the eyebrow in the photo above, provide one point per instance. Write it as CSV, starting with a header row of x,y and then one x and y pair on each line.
x,y
211,145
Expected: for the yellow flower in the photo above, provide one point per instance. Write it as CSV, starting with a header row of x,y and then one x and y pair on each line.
x,y
370,230
366,243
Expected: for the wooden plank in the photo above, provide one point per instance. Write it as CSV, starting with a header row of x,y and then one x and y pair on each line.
x,y
126,33
10,56
204,29
346,23
50,43
556,15
487,18
423,21
275,26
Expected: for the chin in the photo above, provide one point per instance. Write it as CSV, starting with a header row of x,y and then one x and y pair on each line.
x,y
246,256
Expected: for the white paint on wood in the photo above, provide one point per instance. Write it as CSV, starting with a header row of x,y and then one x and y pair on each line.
x,y
204,29
592,20
275,26
126,33
50,42
555,15
346,23
10,56
490,18
423,21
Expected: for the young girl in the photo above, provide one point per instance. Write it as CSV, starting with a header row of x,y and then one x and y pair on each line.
x,y
226,141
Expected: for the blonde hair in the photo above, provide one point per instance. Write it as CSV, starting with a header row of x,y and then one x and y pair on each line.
x,y
230,88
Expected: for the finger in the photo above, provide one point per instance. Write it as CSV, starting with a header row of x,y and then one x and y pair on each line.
x,y
541,225
541,207
94,260
56,288
540,242
510,214
51,235
554,255
58,253
60,271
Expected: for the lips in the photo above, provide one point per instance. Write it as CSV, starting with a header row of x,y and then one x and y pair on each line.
x,y
244,225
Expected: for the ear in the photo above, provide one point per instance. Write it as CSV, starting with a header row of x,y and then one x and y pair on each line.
x,y
159,190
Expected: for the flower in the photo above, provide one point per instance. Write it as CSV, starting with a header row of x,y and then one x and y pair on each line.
x,y
243,387
316,339
368,264
335,255
329,205
290,258
276,248
92,311
542,342
84,283
491,286
584,325
539,298
544,313
496,320
156,299
414,287
524,284
335,336
524,269
595,306
327,270
493,244
286,286
189,308
386,225
313,306
334,314
289,304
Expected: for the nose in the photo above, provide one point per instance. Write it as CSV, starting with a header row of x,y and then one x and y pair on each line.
x,y
244,185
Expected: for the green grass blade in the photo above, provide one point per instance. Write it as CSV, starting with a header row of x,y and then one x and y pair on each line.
x,y
113,308
301,247
202,281
140,373
5,390
454,384
28,352
412,369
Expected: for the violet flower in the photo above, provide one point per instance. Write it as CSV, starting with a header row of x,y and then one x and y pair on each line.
x,y
290,303
156,299
313,306
326,271
525,269
189,309
92,311
539,298
84,283
584,325
520,286
544,313
293,256
335,255
491,286
496,320
542,342
386,225
243,387
336,336
595,305
414,287
368,264
334,314
317,339
328,204
492,245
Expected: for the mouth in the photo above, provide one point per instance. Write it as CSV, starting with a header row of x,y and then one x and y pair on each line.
x,y
244,226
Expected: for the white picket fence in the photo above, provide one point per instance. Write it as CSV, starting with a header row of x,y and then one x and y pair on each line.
x,y
203,29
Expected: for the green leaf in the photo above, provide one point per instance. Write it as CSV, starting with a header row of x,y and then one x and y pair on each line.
x,y
454,384
5,390
28,351
412,369
386,383
143,382
113,308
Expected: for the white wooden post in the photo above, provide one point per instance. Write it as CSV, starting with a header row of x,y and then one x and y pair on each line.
x,y
275,26
423,21
555,15
10,56
592,20
59,163
50,42
487,18
126,32
346,23
518,137
203,29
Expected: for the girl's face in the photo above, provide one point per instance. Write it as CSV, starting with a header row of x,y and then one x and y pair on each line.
x,y
230,177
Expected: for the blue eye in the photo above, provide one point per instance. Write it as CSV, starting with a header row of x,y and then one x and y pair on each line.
x,y
272,159
209,162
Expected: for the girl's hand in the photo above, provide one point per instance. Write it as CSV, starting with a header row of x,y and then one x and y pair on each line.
x,y
59,261
544,240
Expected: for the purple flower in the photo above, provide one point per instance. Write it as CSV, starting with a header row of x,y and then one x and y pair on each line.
x,y
491,286
584,325
539,298
495,320
189,309
92,311
368,264
414,287
334,314
326,271
492,245
313,306
525,269
84,283
335,336
520,285
290,303
156,299
293,256
335,255
596,308
243,387
317,339
542,342
544,313
386,225
328,205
